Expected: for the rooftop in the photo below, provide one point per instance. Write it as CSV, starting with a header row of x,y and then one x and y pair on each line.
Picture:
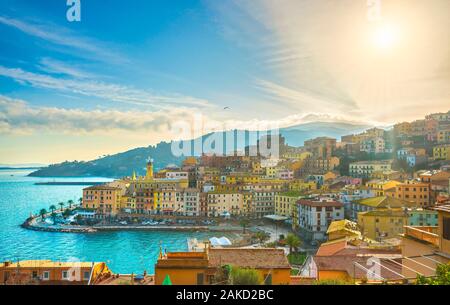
x,y
250,258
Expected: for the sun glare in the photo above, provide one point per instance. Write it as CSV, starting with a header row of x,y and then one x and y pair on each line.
x,y
385,36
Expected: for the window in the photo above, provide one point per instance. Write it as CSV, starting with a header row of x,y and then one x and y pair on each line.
x,y
46,275
446,228
86,275
65,275
200,277
268,279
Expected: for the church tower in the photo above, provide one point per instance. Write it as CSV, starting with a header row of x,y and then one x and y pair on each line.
x,y
149,169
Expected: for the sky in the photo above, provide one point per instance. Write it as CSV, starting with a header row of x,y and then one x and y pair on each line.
x,y
131,74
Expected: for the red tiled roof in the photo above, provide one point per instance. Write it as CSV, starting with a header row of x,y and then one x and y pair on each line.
x,y
248,258
320,203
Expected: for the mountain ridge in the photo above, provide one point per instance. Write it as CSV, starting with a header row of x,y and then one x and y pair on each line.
x,y
124,163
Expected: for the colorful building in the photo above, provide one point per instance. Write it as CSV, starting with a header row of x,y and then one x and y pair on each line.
x,y
204,268
382,223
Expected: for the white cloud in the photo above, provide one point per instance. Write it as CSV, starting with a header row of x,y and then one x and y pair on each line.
x,y
111,92
72,43
18,117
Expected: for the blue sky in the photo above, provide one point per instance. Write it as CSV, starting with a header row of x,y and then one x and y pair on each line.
x,y
129,71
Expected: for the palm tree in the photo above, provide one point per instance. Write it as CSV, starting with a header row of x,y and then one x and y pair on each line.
x,y
66,213
42,213
244,222
262,236
70,202
80,200
293,242
52,208
61,204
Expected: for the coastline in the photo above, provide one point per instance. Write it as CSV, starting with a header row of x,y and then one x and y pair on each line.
x,y
30,224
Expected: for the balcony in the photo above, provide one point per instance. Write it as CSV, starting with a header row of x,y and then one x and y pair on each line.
x,y
426,234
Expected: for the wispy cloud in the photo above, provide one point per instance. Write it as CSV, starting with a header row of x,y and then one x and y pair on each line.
x,y
107,91
53,66
74,44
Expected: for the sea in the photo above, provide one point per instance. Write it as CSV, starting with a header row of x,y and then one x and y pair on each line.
x,y
123,251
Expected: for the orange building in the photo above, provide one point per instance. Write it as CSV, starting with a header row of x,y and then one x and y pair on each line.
x,y
105,199
203,268
46,272
418,193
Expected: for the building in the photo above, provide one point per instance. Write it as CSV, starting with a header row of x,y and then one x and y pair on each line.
x,y
321,147
380,186
46,272
424,247
204,268
104,199
417,193
263,203
374,145
315,216
224,203
441,152
382,224
343,229
375,203
365,169
422,217
341,260
192,202
285,203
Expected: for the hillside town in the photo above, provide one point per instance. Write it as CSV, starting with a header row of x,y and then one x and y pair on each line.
x,y
372,207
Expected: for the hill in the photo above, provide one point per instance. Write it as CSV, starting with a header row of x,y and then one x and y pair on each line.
x,y
123,164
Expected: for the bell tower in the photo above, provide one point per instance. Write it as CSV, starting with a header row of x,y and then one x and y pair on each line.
x,y
149,169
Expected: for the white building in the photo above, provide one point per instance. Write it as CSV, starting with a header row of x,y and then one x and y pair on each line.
x,y
315,216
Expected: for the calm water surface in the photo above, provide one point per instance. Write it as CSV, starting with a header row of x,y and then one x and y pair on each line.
x,y
125,252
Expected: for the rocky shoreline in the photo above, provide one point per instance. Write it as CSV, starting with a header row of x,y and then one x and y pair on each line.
x,y
31,224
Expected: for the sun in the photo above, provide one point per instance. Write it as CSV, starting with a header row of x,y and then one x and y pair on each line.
x,y
385,36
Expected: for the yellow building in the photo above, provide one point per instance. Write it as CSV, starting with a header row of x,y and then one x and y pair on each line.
x,y
285,203
220,203
383,223
301,185
441,152
380,186
203,268
343,229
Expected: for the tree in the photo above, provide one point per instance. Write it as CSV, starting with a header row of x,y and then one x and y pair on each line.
x,y
70,202
53,215
245,276
52,208
42,212
61,204
442,277
67,213
262,237
293,242
80,200
244,222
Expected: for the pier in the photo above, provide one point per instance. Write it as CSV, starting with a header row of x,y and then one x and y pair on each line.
x,y
70,183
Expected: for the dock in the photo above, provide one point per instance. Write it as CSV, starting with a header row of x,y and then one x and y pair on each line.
x,y
70,183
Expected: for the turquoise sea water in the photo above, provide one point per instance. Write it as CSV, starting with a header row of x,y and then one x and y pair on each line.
x,y
125,252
